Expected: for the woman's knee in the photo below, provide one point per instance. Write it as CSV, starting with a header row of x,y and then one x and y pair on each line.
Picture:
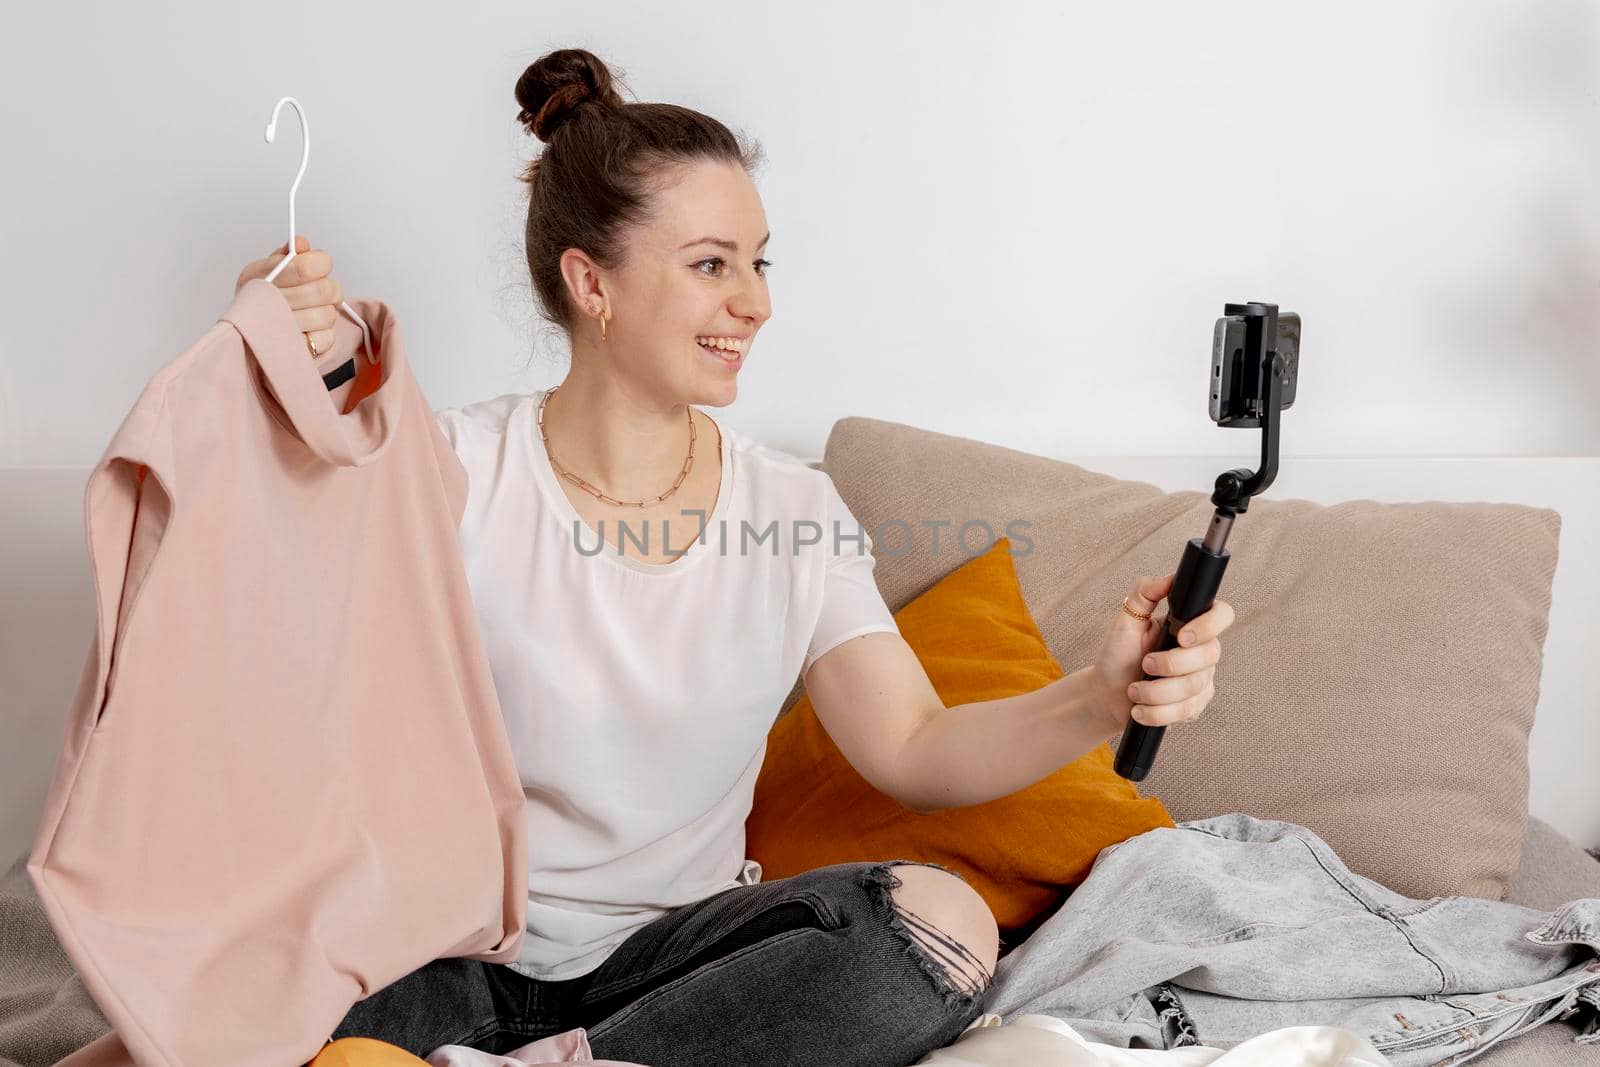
x,y
950,924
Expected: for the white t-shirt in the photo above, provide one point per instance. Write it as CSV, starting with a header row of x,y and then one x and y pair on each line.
x,y
638,696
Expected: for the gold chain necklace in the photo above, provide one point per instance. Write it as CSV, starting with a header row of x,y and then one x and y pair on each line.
x,y
597,493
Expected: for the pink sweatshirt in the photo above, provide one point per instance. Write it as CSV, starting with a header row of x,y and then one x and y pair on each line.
x,y
285,781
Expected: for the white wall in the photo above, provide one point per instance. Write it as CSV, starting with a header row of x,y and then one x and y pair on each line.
x,y
1016,222
1013,223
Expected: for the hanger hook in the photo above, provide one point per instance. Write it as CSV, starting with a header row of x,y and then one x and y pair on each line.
x,y
305,157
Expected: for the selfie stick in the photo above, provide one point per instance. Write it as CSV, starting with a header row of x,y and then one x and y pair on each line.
x,y
1194,587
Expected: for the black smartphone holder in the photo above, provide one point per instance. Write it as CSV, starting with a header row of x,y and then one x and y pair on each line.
x,y
1199,574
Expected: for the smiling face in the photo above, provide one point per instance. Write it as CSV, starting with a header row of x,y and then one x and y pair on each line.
x,y
675,288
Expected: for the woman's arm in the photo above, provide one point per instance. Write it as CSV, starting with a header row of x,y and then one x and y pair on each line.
x,y
874,699
876,702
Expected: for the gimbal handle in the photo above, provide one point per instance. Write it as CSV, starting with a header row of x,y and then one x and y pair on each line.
x,y
1199,574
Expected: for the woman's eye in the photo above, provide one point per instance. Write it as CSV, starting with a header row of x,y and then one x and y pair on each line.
x,y
761,265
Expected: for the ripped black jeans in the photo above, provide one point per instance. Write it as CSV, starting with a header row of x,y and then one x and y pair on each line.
x,y
821,967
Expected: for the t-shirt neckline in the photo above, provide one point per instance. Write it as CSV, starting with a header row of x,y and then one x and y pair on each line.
x,y
545,474
263,317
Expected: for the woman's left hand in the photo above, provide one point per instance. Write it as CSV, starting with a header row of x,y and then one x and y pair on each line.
x,y
1182,686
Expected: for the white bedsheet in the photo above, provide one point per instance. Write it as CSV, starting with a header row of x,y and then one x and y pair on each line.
x,y
1035,1040
1045,1041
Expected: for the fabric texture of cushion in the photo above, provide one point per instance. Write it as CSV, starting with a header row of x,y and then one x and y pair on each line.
x,y
1021,852
1379,682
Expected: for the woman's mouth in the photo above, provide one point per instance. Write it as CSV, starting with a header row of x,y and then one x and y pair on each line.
x,y
731,357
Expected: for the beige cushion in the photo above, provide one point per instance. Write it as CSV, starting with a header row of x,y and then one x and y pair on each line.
x,y
1378,685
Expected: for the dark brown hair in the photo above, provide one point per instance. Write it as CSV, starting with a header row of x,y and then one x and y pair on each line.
x,y
603,162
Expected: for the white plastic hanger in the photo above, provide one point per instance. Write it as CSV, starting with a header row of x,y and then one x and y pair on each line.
x,y
305,157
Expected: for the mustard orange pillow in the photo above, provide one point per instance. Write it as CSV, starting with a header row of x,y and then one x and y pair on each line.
x,y
1023,852
365,1052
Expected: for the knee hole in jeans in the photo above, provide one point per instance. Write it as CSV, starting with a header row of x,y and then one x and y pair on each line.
x,y
947,927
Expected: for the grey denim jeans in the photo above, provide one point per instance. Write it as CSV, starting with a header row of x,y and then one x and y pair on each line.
x,y
1225,928
821,967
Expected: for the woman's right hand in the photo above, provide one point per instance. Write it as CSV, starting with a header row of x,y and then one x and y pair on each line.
x,y
1180,685
308,285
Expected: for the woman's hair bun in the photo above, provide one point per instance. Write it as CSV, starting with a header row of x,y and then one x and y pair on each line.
x,y
554,85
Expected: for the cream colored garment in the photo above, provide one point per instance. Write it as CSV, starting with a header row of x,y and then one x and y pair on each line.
x,y
1023,1041
285,782
1045,1041
569,1047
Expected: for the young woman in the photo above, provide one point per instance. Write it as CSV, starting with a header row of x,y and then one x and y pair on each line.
x,y
639,684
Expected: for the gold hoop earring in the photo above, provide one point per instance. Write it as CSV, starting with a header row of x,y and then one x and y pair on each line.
x,y
602,326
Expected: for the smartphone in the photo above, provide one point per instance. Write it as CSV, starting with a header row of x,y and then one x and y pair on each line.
x,y
1233,386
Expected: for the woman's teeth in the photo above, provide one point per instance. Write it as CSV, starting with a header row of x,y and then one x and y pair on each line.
x,y
728,350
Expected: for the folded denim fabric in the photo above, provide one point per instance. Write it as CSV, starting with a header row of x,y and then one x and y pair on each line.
x,y
1221,929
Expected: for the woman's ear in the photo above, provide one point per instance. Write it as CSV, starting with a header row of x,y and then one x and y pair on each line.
x,y
584,283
